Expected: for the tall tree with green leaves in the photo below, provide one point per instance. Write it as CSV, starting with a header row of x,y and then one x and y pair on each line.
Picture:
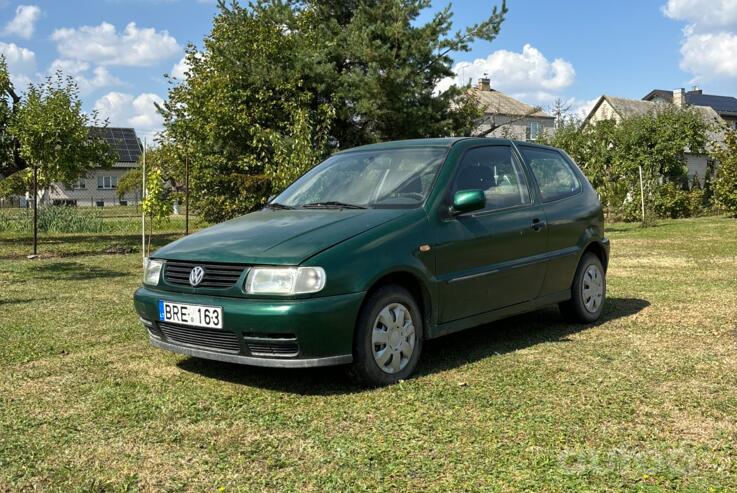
x,y
279,85
10,159
53,136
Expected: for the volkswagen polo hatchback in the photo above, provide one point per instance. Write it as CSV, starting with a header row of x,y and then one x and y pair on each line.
x,y
378,249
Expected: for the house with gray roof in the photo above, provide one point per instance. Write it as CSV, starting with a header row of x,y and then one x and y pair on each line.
x,y
724,106
99,187
507,117
616,108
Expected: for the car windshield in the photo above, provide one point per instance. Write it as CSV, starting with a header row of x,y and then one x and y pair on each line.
x,y
393,178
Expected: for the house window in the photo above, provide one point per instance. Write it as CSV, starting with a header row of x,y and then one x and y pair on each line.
x,y
534,130
100,203
107,182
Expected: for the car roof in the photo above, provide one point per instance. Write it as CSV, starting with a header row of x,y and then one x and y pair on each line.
x,y
438,142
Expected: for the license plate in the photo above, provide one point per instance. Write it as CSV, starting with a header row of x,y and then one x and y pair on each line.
x,y
192,315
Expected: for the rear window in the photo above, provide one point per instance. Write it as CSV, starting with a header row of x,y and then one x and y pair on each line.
x,y
552,172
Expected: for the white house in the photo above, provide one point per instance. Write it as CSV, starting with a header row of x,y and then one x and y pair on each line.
x,y
509,118
98,188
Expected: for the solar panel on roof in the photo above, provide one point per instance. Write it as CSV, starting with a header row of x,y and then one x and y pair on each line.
x,y
122,140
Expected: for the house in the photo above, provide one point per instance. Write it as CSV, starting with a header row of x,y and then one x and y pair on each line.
x,y
615,108
725,106
98,188
507,117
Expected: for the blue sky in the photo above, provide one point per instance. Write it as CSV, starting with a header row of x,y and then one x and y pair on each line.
x,y
118,50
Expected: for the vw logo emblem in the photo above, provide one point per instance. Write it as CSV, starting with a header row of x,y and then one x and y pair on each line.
x,y
195,277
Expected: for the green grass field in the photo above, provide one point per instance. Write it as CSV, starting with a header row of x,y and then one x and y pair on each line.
x,y
645,400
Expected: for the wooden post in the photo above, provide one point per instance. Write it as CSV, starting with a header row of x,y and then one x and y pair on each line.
x,y
186,195
35,210
143,213
642,195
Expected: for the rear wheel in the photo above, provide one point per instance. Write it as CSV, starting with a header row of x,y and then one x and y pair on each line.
x,y
388,339
588,291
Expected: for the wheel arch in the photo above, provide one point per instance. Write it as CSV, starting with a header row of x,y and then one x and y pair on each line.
x,y
416,287
597,249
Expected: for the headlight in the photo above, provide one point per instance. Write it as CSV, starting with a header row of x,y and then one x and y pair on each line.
x,y
285,280
152,271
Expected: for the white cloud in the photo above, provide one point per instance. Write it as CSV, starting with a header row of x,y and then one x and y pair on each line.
x,y
705,13
79,70
180,69
127,110
24,21
709,44
105,46
709,55
21,63
19,59
527,75
582,108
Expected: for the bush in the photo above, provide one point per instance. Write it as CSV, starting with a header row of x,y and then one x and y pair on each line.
x,y
671,202
697,202
725,185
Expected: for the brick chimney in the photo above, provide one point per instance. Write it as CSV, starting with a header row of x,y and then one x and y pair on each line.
x,y
679,97
484,84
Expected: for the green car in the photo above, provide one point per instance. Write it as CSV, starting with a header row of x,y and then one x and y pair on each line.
x,y
378,249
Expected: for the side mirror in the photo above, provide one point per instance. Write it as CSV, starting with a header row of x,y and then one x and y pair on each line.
x,y
467,201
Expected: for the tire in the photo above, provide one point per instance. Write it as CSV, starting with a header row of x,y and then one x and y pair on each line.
x,y
588,292
379,325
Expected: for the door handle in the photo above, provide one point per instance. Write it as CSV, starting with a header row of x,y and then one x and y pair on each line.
x,y
537,224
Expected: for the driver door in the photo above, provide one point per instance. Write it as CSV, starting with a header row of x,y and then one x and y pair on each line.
x,y
491,258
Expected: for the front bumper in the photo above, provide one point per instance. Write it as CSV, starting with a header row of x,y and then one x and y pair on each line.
x,y
274,333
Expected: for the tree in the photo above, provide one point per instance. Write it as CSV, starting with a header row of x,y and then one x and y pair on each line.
x,y
725,185
10,160
53,136
560,110
157,203
281,84
611,154
130,182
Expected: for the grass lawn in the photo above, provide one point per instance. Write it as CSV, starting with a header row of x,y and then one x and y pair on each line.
x,y
646,400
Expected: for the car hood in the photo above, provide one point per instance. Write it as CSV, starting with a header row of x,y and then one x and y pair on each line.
x,y
276,237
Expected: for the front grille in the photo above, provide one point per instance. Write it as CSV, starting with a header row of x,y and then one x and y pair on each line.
x,y
216,275
272,346
217,340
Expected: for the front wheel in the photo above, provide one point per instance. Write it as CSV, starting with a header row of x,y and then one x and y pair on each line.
x,y
388,339
588,291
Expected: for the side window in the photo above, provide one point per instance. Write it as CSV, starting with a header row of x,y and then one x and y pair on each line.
x,y
553,173
492,170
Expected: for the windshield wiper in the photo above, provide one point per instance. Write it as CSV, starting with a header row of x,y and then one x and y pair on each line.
x,y
332,204
276,205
